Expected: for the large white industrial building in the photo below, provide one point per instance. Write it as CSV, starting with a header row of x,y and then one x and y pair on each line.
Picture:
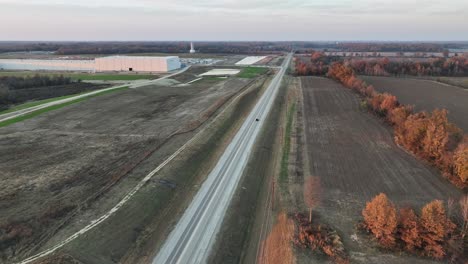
x,y
47,65
137,64
104,64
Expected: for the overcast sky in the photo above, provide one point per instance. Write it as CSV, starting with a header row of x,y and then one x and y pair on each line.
x,y
233,20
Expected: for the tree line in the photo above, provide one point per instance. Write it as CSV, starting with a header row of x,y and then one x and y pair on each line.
x,y
318,64
453,66
431,233
15,90
14,82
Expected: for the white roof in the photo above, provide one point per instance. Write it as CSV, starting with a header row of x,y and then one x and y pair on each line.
x,y
139,57
250,60
217,72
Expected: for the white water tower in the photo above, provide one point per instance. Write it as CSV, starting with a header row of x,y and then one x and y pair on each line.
x,y
192,48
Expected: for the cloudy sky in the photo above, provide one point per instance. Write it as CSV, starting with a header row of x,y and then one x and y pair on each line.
x,y
233,20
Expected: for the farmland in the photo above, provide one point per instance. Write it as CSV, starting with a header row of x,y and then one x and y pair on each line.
x,y
355,158
70,165
426,95
455,81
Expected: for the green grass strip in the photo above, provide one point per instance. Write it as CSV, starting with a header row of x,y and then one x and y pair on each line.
x,y
287,144
55,107
252,72
39,102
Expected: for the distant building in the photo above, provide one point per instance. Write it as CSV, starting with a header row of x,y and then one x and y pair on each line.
x,y
192,48
47,65
104,64
137,64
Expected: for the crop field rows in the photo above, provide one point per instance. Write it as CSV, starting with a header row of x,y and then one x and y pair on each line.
x,y
426,95
353,154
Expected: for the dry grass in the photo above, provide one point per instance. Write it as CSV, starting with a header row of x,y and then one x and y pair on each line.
x,y
277,248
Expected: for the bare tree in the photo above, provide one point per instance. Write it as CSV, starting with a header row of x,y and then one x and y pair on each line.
x,y
312,193
450,204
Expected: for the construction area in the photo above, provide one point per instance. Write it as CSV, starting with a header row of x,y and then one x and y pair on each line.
x,y
100,64
65,168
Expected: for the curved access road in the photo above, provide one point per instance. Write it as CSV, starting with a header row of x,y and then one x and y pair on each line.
x,y
136,84
195,233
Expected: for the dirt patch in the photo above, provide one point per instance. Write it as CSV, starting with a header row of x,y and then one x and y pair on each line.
x,y
353,154
426,95
57,165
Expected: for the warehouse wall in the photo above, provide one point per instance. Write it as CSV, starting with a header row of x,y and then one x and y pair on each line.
x,y
48,65
137,64
104,64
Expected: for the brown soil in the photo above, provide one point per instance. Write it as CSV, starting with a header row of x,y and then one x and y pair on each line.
x,y
353,154
57,165
426,95
135,232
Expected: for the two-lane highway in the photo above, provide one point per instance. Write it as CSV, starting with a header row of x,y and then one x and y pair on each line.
x,y
194,234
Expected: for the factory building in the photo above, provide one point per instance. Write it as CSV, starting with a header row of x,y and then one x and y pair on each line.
x,y
137,64
104,64
47,65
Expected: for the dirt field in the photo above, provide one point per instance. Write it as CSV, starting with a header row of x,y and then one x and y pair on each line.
x,y
353,154
426,95
56,166
455,81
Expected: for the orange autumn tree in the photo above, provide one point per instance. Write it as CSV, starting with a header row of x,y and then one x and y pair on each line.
x,y
460,160
436,228
312,193
381,219
409,229
277,248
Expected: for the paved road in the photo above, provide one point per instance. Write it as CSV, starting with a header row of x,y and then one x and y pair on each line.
x,y
135,84
194,234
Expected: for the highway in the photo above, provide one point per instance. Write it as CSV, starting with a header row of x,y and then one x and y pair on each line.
x,y
195,233
135,84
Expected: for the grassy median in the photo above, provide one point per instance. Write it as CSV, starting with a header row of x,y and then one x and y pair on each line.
x,y
287,144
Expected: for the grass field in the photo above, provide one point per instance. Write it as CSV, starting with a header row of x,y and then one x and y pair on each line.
x,y
84,76
50,108
252,72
